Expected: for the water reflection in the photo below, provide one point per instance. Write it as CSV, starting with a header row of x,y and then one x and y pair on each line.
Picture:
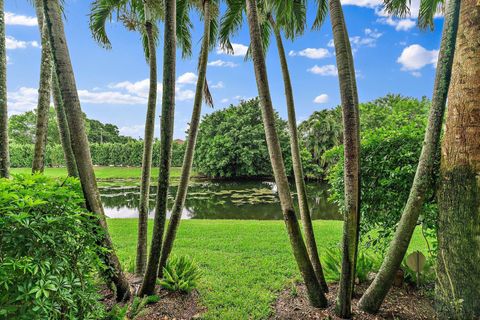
x,y
248,200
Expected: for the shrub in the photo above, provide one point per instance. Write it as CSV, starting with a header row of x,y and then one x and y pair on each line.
x,y
48,250
180,274
367,262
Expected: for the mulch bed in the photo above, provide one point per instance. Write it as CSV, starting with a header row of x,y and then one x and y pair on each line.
x,y
172,305
401,303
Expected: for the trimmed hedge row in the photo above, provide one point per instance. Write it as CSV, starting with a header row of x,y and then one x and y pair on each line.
x,y
105,154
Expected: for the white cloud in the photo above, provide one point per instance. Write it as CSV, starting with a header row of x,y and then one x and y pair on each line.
x,y
182,95
11,43
222,63
187,78
139,88
224,100
331,43
109,97
399,24
218,85
363,3
19,20
24,99
238,49
311,53
323,98
134,131
415,57
327,70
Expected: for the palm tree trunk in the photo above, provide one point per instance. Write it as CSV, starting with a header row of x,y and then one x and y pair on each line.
x,y
191,141
79,140
63,128
458,261
44,92
166,131
376,293
141,260
297,163
351,155
4,156
315,291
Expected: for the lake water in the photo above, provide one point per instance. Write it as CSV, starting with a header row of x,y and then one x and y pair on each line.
x,y
249,200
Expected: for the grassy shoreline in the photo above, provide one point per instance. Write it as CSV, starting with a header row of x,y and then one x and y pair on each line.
x,y
245,263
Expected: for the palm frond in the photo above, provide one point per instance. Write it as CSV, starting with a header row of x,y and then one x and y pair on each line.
x,y
428,9
101,12
184,27
207,95
399,8
230,23
322,11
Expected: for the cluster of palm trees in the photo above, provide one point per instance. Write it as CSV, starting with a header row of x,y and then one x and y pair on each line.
x,y
458,286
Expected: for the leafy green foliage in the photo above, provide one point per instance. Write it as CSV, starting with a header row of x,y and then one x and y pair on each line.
x,y
367,262
131,311
180,274
391,139
231,143
48,257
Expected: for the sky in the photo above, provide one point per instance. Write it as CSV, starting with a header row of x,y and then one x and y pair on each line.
x,y
391,55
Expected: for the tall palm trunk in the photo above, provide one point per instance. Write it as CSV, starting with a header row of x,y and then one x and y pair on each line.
x,y
376,293
44,91
315,291
191,141
166,131
62,124
4,156
351,154
141,260
458,262
297,162
78,136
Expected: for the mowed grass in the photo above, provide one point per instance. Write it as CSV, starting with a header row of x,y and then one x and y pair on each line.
x,y
245,263
104,173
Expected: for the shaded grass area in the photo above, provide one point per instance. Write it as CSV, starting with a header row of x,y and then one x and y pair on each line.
x,y
104,173
245,263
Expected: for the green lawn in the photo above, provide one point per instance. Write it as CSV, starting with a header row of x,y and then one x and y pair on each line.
x,y
104,173
244,263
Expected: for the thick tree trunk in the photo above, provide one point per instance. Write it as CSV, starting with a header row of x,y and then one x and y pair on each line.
x,y
297,163
79,140
4,156
376,293
63,130
141,261
315,291
44,91
351,153
458,262
191,141
166,131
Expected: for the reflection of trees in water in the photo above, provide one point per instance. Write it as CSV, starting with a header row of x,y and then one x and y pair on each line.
x,y
227,200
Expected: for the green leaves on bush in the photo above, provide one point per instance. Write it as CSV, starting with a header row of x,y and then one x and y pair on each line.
x,y
48,257
180,274
332,264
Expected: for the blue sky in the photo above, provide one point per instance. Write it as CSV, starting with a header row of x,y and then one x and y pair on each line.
x,y
391,56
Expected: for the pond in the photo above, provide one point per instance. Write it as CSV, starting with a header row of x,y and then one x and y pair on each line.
x,y
248,200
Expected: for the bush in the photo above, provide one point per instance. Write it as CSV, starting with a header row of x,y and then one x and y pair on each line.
x,y
48,251
389,157
180,274
367,262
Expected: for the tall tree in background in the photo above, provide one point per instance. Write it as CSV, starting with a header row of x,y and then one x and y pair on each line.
x,y
44,94
458,259
4,156
377,291
166,139
351,136
315,291
64,71
209,10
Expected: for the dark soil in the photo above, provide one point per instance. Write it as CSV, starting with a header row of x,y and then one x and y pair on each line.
x,y
172,305
401,303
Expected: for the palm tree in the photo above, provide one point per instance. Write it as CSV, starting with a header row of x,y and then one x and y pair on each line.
x,y
209,10
292,19
166,134
63,128
351,136
81,149
458,259
44,91
315,291
375,294
4,156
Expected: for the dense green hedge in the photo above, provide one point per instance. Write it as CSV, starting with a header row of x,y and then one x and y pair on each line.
x,y
105,154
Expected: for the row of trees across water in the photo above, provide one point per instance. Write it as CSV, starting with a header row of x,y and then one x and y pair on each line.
x,y
457,77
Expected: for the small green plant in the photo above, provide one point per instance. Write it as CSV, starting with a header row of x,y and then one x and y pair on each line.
x,y
332,264
180,274
131,311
